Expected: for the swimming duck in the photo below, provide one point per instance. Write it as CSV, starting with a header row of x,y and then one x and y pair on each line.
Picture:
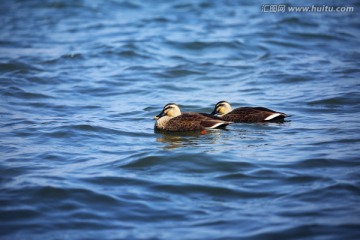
x,y
171,119
247,114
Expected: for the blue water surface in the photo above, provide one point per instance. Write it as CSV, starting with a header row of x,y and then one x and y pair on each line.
x,y
81,80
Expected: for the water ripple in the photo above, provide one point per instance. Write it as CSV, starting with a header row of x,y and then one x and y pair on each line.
x,y
81,81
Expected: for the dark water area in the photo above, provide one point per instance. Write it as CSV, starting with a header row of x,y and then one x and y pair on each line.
x,y
81,80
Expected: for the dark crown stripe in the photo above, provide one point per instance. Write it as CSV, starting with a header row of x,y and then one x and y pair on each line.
x,y
222,102
169,104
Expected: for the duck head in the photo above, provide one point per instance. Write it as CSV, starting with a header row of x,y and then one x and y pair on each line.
x,y
221,108
170,110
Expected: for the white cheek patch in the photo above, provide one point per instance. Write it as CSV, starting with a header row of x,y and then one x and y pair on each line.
x,y
219,111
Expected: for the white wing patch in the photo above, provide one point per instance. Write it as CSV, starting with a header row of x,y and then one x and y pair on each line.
x,y
272,116
216,125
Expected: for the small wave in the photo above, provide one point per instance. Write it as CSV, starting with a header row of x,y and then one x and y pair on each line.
x,y
180,72
117,181
210,190
65,58
132,54
316,36
199,45
75,56
129,5
322,163
17,66
99,91
285,43
297,21
335,101
178,162
295,79
22,94
303,178
308,230
19,213
327,190
66,131
62,194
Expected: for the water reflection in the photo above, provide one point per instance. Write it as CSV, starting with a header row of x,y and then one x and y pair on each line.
x,y
188,139
242,140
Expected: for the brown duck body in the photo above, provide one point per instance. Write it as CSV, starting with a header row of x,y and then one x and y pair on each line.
x,y
190,122
253,115
247,114
171,119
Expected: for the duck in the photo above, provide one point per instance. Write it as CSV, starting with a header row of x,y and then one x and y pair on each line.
x,y
224,111
172,120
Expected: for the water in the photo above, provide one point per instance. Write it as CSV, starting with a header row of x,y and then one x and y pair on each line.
x,y
81,81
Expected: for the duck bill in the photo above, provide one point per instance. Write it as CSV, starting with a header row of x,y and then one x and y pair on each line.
x,y
159,115
213,112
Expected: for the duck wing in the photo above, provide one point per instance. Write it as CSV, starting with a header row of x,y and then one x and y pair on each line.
x,y
193,122
251,115
210,121
261,109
